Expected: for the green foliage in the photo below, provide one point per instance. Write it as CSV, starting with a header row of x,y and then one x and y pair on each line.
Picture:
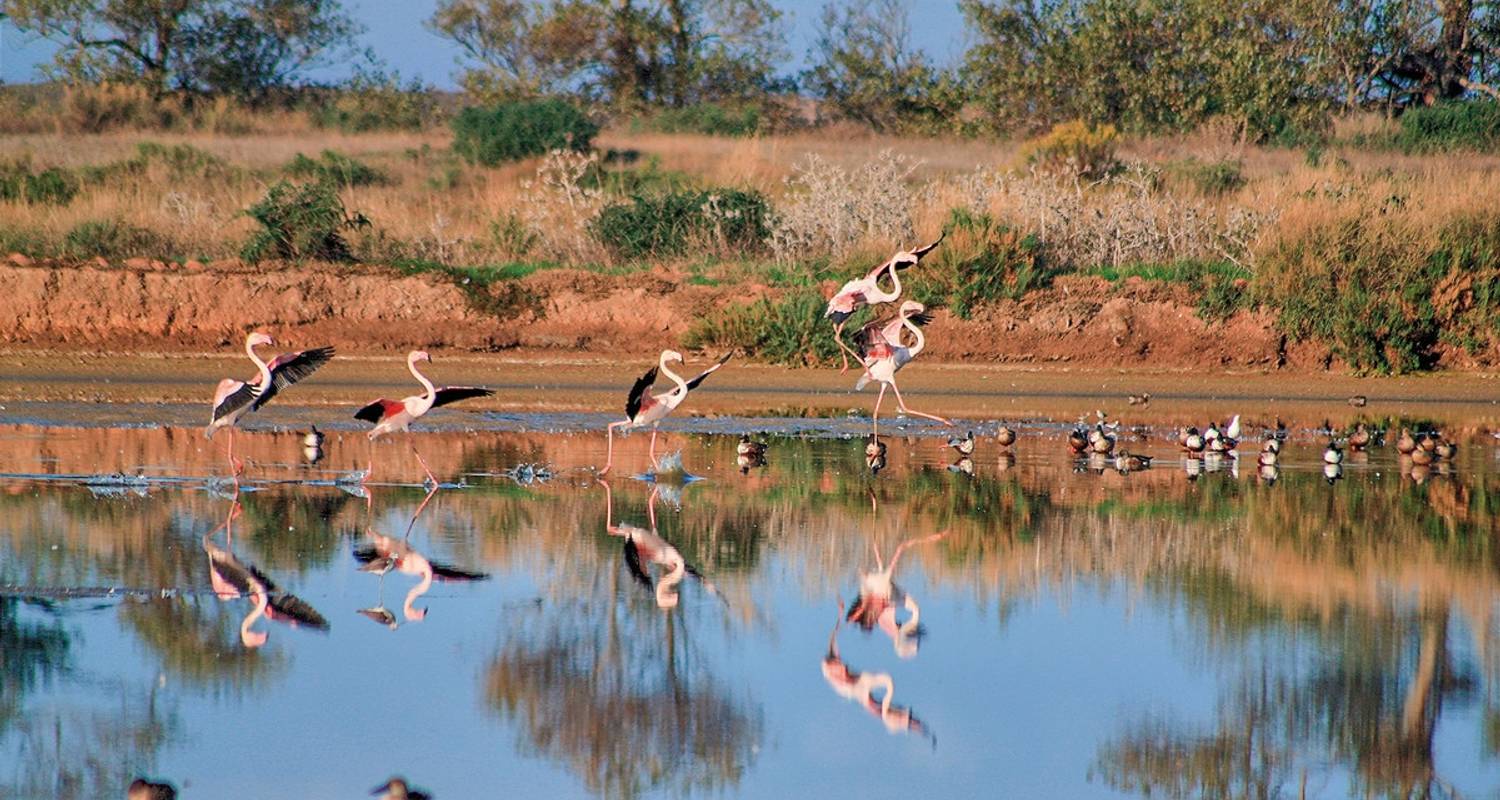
x,y
1471,125
112,238
1076,148
713,119
1211,178
51,186
667,224
788,331
377,102
181,161
1192,273
1221,298
301,222
25,241
983,261
513,131
490,289
631,180
337,169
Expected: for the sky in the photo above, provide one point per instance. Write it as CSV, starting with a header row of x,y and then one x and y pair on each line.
x,y
398,36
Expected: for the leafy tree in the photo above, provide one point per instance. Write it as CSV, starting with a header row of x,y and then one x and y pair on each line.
x,y
628,53
240,47
864,69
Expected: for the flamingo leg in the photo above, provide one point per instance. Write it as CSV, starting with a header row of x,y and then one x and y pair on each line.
x,y
875,415
369,465
609,454
652,451
901,548
425,468
906,410
235,465
420,507
651,506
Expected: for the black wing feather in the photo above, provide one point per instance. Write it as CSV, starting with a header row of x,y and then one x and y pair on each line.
x,y
637,392
921,319
295,608
372,412
444,572
694,383
292,370
633,561
453,394
237,399
922,251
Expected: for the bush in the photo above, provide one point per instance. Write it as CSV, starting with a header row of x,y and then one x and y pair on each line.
x,y
983,262
96,108
299,222
1075,147
54,186
378,102
114,239
1211,179
712,119
513,131
180,160
337,169
789,331
1472,125
722,219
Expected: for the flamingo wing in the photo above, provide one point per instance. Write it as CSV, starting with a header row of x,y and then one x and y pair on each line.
x,y
873,340
444,572
379,410
453,394
693,384
633,562
231,396
922,251
291,608
288,368
638,398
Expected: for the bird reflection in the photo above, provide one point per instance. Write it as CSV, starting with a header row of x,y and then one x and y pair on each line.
x,y
749,454
874,454
861,686
232,578
644,547
383,554
398,789
142,789
879,597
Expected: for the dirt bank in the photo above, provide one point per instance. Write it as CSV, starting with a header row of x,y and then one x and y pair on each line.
x,y
1079,321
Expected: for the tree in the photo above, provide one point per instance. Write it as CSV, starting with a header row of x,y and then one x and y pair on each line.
x,y
627,53
864,69
241,47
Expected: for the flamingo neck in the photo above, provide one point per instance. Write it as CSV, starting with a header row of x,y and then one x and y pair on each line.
x,y
431,393
248,637
265,372
910,626
895,281
413,614
921,340
666,596
884,681
674,377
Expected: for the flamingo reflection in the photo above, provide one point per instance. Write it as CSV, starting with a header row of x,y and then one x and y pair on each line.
x,y
383,554
232,578
860,687
643,547
879,597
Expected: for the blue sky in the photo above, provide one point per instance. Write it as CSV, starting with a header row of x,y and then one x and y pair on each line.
x,y
398,36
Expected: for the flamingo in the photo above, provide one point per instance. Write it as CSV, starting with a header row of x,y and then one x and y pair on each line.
x,y
878,596
861,292
398,789
648,547
643,408
860,686
883,355
386,553
398,415
232,578
233,399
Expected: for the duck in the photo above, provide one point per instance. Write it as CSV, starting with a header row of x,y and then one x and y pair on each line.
x,y
964,465
1422,457
142,789
1429,441
1126,461
1358,401
875,455
1445,449
1332,454
1333,473
1406,444
1271,445
964,446
1005,436
1360,438
1144,398
398,789
1268,457
1101,441
1192,441
1078,439
313,438
747,447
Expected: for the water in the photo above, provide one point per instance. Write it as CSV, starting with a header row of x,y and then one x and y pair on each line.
x,y
1080,634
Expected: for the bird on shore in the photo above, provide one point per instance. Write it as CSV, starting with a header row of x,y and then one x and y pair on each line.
x,y
1190,440
398,789
1358,401
1005,436
643,408
233,399
1333,454
1360,438
1144,398
963,446
390,416
883,355
864,291
142,789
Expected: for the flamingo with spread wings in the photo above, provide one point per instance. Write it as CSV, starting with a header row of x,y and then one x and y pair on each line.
x,y
883,355
232,578
860,292
644,547
390,416
643,408
233,399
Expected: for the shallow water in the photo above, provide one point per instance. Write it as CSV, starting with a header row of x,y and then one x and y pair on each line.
x,y
1190,630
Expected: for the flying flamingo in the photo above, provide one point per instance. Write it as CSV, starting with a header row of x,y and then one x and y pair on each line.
x,y
883,355
644,547
861,292
398,415
233,399
643,408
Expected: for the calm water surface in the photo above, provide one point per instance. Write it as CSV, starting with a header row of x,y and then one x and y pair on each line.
x,y
1069,633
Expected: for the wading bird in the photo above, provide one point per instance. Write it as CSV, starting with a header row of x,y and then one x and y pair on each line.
x,y
232,578
386,553
860,686
233,399
879,596
883,354
643,547
389,416
860,292
643,408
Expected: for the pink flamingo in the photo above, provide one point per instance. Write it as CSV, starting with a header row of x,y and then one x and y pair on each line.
x,y
644,547
643,408
878,596
861,292
860,687
233,399
390,416
232,578
386,553
883,355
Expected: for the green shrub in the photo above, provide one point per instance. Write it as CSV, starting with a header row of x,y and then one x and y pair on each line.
x,y
1075,147
1471,125
53,186
114,239
789,331
712,119
513,131
180,160
375,103
722,219
982,261
300,222
1209,179
1220,298
337,169
26,241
